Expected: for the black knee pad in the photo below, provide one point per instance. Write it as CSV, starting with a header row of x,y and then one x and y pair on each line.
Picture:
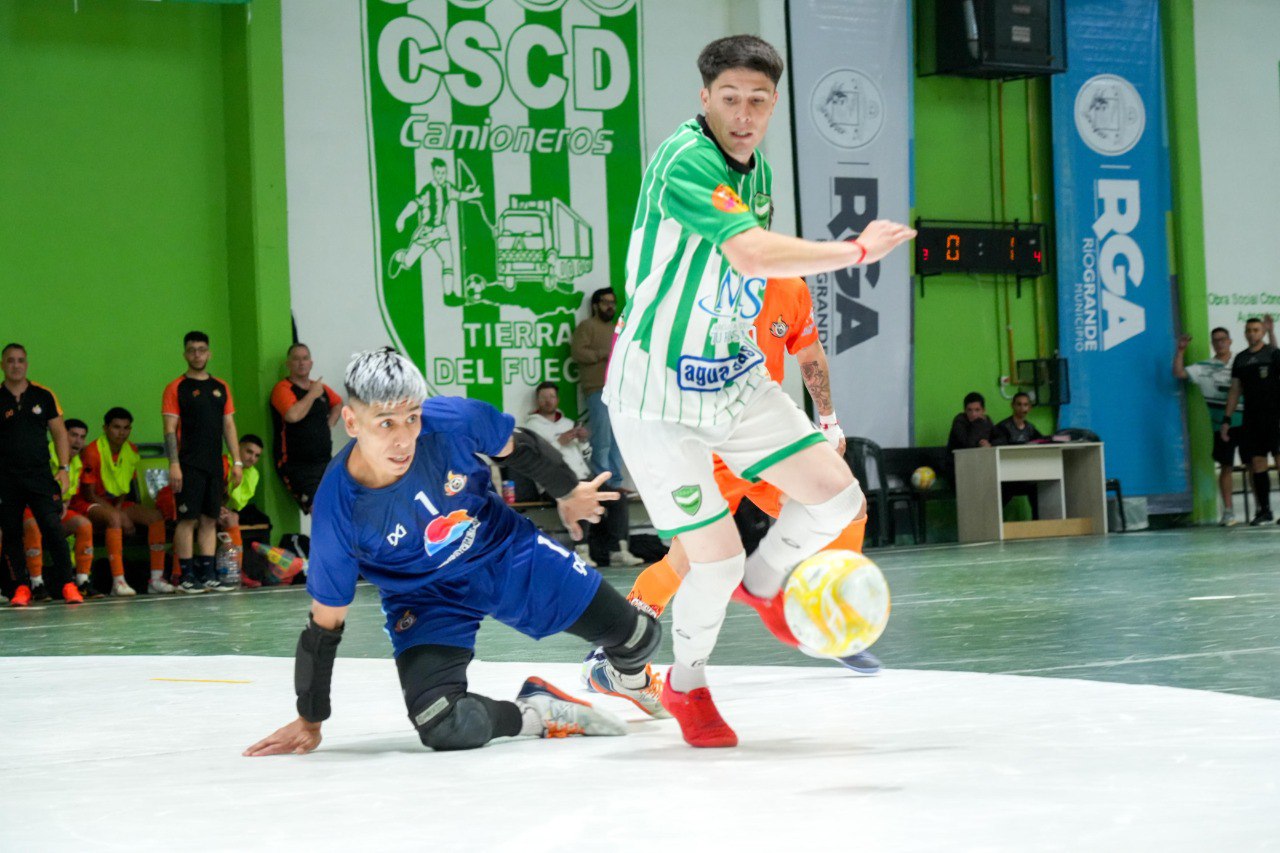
x,y
447,721
631,656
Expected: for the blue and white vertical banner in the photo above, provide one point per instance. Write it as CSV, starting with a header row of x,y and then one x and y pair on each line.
x,y
851,86
1115,297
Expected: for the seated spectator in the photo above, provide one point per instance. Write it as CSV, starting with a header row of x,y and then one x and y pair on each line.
x,y
1016,429
238,508
550,424
73,523
304,411
971,428
108,496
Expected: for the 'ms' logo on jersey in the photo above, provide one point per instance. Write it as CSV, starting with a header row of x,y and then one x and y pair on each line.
x,y
444,530
737,297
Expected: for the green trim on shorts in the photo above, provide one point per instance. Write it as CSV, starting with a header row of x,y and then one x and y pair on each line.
x,y
752,474
667,534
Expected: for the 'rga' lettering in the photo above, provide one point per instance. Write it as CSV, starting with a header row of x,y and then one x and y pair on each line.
x,y
1119,259
859,204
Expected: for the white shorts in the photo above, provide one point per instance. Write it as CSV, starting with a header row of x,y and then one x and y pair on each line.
x,y
672,467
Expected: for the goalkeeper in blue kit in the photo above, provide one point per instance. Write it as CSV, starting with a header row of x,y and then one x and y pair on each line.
x,y
407,505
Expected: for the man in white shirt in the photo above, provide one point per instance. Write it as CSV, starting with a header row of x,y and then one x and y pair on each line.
x,y
551,424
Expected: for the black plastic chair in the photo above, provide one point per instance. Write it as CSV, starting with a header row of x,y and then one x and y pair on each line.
x,y
1113,485
882,501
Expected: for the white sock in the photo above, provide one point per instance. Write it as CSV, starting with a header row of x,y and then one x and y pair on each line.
x,y
531,724
635,681
81,577
37,580
157,574
800,532
696,617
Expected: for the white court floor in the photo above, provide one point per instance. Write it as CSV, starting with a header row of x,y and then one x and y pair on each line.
x,y
143,753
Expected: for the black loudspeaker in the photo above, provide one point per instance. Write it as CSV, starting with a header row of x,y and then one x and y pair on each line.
x,y
999,38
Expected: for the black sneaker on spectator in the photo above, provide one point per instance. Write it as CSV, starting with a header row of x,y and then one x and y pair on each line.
x,y
87,591
1263,517
211,584
39,593
190,586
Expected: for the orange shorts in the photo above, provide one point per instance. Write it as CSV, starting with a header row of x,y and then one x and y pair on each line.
x,y
81,506
764,495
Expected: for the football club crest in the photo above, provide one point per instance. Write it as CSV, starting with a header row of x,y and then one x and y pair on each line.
x,y
454,484
217,393
778,328
688,498
35,410
406,621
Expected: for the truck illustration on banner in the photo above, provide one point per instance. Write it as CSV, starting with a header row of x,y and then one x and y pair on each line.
x,y
544,241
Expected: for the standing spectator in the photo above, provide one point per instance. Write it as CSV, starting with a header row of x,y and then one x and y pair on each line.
x,y
1213,377
238,498
304,411
109,497
1255,374
28,414
971,428
198,417
1016,429
73,523
549,423
592,345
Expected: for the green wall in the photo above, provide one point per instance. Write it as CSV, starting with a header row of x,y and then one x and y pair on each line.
x,y
962,323
131,209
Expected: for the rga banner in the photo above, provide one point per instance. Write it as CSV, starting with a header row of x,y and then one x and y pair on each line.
x,y
505,162
1115,303
851,101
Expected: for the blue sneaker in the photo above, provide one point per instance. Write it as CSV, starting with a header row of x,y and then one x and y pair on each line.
x,y
863,663
588,664
603,678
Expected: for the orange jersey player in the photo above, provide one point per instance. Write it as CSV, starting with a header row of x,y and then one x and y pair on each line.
x,y
784,325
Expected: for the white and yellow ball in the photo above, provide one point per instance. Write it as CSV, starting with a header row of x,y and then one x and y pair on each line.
x,y
836,603
923,478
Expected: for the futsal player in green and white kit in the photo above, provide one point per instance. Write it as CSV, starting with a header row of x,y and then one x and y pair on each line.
x,y
686,380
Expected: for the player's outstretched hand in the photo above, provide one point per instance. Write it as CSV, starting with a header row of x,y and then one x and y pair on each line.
x,y
298,738
583,504
881,237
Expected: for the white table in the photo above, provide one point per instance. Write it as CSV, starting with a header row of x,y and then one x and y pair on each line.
x,y
1070,480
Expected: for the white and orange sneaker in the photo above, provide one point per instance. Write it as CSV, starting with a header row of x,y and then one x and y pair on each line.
x,y
561,715
700,721
601,677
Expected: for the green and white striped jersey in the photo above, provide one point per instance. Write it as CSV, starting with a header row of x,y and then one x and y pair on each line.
x,y
684,352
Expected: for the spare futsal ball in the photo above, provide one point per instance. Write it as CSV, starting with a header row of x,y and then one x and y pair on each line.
x,y
923,478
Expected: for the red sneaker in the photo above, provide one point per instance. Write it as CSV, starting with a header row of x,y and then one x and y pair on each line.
x,y
21,596
249,583
71,595
771,614
700,722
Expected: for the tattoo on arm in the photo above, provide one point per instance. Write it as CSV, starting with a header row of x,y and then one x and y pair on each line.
x,y
171,446
819,385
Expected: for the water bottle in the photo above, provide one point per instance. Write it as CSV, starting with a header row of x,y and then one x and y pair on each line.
x,y
228,561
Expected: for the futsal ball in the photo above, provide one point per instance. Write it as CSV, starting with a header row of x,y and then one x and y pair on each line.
x,y
923,478
836,603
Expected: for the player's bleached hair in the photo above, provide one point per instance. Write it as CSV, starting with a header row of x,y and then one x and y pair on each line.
x,y
384,377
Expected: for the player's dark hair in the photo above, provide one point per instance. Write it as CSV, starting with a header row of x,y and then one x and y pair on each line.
x,y
1253,320
743,51
547,384
1217,329
117,413
76,423
195,337
250,438
600,294
1019,394
293,346
8,347
975,397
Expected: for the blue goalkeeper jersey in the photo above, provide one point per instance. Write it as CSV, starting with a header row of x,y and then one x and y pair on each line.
x,y
430,529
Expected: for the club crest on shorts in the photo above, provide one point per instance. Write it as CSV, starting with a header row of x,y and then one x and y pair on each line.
x,y
454,484
778,328
406,621
688,498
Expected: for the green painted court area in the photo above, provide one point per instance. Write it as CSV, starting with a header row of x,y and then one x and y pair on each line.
x,y
1196,608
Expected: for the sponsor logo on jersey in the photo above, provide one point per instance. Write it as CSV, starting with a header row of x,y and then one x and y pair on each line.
x,y
195,393
688,498
444,530
406,621
713,374
454,484
778,328
724,198
35,410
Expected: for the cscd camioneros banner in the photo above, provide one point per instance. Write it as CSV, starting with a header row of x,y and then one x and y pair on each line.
x,y
505,148
1111,182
